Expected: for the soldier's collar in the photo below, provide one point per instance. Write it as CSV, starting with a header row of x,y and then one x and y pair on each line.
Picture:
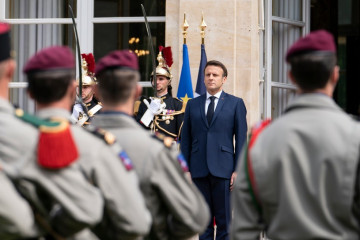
x,y
114,113
50,112
164,96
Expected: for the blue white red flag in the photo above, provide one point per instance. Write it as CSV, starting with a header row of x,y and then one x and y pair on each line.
x,y
185,90
200,85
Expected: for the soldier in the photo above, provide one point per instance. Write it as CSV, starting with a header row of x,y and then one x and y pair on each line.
x,y
163,114
299,177
80,115
56,190
178,209
50,74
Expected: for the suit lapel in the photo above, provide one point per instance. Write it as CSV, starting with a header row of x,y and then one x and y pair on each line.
x,y
202,108
219,106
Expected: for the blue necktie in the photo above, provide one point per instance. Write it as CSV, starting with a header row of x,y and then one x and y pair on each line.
x,y
210,111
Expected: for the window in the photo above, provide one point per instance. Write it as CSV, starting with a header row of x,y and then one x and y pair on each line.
x,y
286,21
103,26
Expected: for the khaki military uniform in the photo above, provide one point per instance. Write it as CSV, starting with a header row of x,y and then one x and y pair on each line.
x,y
63,200
170,121
306,178
16,217
178,209
125,216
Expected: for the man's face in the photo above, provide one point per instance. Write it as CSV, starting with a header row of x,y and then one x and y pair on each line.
x,y
214,79
161,85
87,93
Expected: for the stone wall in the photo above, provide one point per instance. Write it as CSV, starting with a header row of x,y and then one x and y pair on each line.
x,y
232,37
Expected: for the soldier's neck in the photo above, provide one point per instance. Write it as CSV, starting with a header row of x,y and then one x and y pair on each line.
x,y
4,89
88,100
162,94
127,108
58,104
65,103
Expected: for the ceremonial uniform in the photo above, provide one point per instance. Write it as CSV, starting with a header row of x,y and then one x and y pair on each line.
x,y
170,121
178,209
299,177
322,151
58,196
125,213
163,114
66,189
82,113
78,111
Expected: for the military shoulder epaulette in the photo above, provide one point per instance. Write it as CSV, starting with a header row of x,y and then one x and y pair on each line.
x,y
167,141
110,140
104,135
56,147
33,120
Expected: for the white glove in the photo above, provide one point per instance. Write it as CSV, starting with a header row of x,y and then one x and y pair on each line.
x,y
154,108
76,110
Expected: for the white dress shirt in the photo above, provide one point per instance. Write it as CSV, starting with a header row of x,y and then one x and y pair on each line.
x,y
207,102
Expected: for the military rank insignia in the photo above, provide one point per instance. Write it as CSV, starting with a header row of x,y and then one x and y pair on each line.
x,y
126,160
182,163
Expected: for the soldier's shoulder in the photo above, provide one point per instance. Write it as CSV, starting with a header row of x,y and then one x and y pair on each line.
x,y
101,134
29,119
178,99
164,140
178,103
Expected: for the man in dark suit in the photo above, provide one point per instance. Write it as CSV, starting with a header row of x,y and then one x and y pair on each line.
x,y
211,123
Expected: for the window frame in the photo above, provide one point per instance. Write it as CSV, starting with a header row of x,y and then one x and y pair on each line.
x,y
85,18
269,84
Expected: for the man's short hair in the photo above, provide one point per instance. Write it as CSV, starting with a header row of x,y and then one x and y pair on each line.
x,y
49,86
218,64
312,70
116,84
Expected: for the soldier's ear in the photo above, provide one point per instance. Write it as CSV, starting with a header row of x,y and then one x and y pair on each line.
x,y
31,95
10,69
334,77
291,76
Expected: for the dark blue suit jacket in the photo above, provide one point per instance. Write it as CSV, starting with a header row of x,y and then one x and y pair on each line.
x,y
210,148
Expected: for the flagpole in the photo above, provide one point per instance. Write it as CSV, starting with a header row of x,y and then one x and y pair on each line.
x,y
185,27
202,28
185,91
200,85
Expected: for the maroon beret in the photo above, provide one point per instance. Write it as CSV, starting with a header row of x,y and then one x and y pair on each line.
x,y
51,58
4,41
123,58
319,40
